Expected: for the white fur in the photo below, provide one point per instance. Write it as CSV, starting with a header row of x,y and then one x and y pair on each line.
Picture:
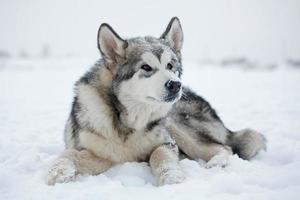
x,y
134,93
98,113
221,159
143,99
165,166
170,174
139,114
108,144
137,146
151,59
62,170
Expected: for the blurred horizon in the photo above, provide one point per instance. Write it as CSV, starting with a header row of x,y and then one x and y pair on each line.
x,y
261,31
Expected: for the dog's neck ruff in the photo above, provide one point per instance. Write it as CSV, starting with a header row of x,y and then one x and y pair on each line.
x,y
134,115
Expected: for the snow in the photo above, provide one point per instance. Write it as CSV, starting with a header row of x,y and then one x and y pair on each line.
x,y
35,99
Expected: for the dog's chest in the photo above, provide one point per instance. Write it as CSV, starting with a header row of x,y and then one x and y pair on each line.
x,y
137,146
109,139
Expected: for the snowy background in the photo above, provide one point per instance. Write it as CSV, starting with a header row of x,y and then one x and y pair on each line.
x,y
242,56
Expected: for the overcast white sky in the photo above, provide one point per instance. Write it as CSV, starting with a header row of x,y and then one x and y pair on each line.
x,y
260,29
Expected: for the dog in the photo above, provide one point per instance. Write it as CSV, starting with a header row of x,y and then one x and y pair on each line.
x,y
131,106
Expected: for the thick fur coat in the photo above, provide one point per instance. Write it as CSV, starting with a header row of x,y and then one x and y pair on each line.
x,y
131,106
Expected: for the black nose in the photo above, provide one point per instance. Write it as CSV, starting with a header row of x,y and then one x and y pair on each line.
x,y
173,86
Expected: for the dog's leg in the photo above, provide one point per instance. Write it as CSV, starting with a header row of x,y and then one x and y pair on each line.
x,y
164,163
219,155
73,162
214,154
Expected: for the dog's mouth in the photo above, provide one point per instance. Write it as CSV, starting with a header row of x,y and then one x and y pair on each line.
x,y
170,98
153,99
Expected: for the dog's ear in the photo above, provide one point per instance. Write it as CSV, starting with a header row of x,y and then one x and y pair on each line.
x,y
110,44
174,34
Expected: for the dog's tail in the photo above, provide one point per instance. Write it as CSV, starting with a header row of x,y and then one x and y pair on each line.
x,y
246,143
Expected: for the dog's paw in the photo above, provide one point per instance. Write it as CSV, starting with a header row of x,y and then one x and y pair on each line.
x,y
171,176
63,170
218,161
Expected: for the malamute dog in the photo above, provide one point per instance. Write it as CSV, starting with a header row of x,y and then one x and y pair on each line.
x,y
131,106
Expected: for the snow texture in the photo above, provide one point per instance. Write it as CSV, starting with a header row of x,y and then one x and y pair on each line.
x,y
35,100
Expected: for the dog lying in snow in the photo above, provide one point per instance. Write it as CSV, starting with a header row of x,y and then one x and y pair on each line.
x,y
131,106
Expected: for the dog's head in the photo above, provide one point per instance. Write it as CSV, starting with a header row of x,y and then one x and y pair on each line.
x,y
145,69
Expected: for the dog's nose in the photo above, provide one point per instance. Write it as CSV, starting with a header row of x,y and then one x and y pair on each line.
x,y
173,86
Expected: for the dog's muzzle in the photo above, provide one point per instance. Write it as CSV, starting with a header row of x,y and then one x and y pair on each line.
x,y
173,88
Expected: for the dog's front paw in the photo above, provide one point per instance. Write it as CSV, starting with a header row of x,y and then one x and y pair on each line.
x,y
220,160
63,170
171,176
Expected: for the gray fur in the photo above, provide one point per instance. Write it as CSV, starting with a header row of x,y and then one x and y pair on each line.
x,y
120,116
195,114
191,112
247,143
125,70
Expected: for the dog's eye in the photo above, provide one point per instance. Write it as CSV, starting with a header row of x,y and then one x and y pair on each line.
x,y
185,116
169,66
147,68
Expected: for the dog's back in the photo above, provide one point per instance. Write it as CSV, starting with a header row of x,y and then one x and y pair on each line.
x,y
194,121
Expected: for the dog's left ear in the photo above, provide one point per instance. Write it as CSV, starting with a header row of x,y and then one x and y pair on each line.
x,y
110,44
174,34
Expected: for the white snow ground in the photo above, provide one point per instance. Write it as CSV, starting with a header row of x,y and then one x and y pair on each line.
x,y
35,99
